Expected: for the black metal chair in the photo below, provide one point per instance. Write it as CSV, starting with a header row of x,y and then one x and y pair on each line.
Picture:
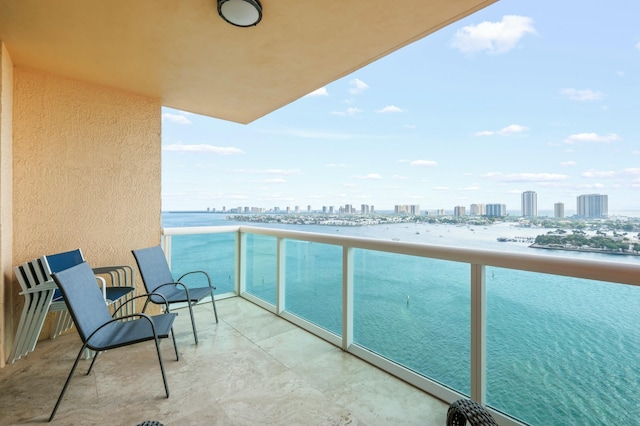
x,y
157,279
96,327
465,410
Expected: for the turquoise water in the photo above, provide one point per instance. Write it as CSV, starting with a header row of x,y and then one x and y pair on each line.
x,y
559,351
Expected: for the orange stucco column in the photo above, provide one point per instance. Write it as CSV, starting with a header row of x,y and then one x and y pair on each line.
x,y
86,171
6,188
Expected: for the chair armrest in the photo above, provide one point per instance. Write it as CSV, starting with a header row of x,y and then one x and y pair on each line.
x,y
47,285
103,287
198,272
130,316
186,289
146,295
121,275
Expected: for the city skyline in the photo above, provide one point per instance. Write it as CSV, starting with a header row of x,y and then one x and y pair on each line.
x,y
521,96
587,205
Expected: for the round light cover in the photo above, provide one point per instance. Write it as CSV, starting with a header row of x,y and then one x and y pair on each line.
x,y
241,13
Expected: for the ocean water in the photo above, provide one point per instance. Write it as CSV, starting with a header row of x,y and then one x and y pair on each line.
x,y
560,351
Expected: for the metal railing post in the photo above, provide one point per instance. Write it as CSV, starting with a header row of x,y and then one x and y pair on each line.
x,y
241,263
280,275
478,334
347,297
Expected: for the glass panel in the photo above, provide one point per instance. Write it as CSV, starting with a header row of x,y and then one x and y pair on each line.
x,y
416,312
261,267
212,253
314,283
562,350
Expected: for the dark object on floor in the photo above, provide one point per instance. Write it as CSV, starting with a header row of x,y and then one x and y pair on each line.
x,y
466,410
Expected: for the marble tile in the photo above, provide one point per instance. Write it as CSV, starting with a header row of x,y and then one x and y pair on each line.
x,y
252,368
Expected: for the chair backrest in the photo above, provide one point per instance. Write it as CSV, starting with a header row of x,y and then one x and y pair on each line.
x,y
59,262
153,266
83,298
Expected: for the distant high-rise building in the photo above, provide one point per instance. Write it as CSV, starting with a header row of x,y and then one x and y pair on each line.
x,y
459,211
529,204
331,209
309,208
558,210
497,210
409,209
477,210
593,205
364,209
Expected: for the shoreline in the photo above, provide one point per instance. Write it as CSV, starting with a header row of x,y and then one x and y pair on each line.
x,y
585,250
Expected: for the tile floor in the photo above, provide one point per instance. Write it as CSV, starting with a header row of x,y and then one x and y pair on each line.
x,y
252,368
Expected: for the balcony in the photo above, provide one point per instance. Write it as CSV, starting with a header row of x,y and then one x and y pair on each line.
x,y
251,368
535,337
328,330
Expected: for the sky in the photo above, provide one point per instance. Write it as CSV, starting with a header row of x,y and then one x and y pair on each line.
x,y
521,96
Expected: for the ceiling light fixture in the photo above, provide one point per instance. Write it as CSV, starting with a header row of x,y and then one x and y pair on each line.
x,y
241,13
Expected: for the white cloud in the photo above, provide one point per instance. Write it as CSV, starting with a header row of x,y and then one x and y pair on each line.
x,y
357,86
319,92
510,130
624,173
390,108
591,186
220,150
568,163
638,45
371,176
423,163
399,177
175,118
526,177
312,134
493,37
599,174
275,180
591,137
350,111
283,172
582,95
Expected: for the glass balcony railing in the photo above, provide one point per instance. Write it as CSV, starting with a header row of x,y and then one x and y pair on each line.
x,y
540,339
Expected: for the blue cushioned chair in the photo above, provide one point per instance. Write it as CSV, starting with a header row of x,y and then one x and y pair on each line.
x,y
98,330
157,279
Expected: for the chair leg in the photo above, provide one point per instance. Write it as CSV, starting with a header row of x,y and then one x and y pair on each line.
x,y
93,361
193,322
173,336
215,311
164,377
66,384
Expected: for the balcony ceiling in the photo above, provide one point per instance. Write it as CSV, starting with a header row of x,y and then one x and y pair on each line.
x,y
182,52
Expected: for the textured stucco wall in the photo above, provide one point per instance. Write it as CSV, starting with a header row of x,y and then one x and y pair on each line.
x,y
6,288
86,170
